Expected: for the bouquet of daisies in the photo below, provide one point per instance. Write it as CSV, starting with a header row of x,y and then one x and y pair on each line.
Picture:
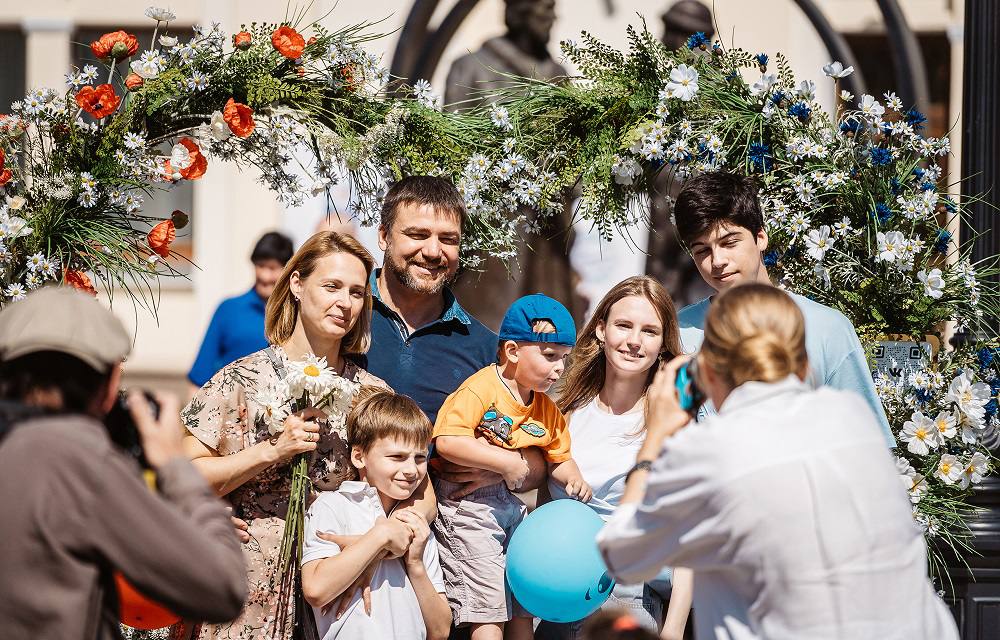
x,y
309,382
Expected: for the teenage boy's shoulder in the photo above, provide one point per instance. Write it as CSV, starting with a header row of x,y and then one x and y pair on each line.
x,y
691,322
821,318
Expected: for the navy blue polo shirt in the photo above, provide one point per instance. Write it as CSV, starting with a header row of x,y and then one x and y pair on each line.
x,y
236,330
433,361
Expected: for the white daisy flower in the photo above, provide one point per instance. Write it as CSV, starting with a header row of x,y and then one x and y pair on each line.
x,y
842,228
683,83
920,434
889,246
975,470
949,469
160,15
15,292
35,261
500,118
819,242
971,397
871,107
945,423
933,283
134,141
836,69
309,375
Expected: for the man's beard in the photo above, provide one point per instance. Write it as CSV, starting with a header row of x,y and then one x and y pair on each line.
x,y
403,274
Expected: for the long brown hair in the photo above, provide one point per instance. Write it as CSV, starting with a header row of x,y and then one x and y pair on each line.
x,y
584,377
282,312
754,332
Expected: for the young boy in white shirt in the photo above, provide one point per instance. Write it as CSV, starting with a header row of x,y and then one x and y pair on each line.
x,y
389,436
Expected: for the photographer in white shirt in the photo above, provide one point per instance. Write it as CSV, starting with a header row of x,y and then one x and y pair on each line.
x,y
786,505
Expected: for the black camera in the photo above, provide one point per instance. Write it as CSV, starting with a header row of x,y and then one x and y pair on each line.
x,y
123,430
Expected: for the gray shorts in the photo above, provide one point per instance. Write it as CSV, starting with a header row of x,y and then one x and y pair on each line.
x,y
472,535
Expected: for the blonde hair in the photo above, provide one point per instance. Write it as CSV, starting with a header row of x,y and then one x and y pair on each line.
x,y
754,332
379,413
585,374
282,311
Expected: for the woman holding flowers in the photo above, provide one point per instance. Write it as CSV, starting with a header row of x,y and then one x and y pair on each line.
x,y
241,435
633,328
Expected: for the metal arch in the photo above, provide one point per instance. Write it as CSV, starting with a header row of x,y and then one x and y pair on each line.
x,y
419,49
911,74
835,45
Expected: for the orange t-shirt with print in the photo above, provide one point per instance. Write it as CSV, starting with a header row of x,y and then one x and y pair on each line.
x,y
483,406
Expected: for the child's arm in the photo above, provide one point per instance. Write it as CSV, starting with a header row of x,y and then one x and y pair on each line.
x,y
433,605
567,473
324,580
470,452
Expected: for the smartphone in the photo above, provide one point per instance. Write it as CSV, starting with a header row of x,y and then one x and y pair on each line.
x,y
121,427
690,396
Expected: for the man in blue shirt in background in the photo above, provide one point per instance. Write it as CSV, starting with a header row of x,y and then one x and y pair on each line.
x,y
237,327
719,221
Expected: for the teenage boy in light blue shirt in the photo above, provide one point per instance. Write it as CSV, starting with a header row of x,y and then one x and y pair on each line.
x,y
719,220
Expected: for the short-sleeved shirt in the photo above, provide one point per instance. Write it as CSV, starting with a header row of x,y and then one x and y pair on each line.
x,y
484,406
236,330
352,510
836,356
432,361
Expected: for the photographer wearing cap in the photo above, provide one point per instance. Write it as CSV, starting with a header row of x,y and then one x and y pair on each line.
x,y
76,508
785,504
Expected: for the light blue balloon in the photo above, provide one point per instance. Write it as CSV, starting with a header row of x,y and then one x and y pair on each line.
x,y
554,568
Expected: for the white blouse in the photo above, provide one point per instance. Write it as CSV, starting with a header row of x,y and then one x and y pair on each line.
x,y
789,509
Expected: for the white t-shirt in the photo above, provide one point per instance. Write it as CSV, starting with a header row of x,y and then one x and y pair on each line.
x,y
604,447
352,510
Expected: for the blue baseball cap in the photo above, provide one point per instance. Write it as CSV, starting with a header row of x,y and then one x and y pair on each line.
x,y
525,311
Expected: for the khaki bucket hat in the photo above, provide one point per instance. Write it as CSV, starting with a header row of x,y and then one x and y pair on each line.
x,y
65,320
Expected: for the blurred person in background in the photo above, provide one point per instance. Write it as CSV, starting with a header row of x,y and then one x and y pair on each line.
x,y
77,510
237,326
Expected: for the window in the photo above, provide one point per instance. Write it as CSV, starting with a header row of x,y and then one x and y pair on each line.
x,y
12,47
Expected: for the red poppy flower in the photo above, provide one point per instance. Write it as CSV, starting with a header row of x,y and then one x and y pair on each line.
x,y
79,280
239,117
116,44
99,102
242,40
160,237
288,42
133,81
199,163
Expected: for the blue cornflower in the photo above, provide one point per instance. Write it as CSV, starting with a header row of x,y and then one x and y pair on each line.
x,y
924,396
895,185
915,119
850,126
985,356
760,156
927,186
698,39
949,204
942,242
800,110
881,213
991,409
995,386
880,157
777,97
771,258
918,172
886,129
761,59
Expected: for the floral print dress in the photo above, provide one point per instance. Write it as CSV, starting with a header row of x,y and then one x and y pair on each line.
x,y
226,416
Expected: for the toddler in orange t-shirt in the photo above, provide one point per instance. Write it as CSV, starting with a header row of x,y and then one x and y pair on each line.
x,y
502,405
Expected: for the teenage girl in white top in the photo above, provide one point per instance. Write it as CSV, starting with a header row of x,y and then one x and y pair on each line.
x,y
604,396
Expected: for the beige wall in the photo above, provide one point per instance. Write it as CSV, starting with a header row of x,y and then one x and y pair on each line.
x,y
231,209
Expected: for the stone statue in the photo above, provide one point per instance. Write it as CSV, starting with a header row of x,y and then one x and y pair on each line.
x,y
666,260
542,264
